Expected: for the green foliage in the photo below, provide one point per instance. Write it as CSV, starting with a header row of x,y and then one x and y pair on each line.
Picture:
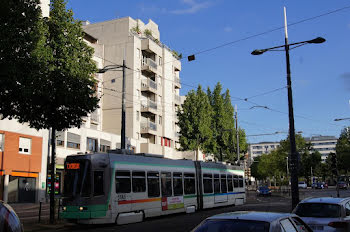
x,y
177,55
147,32
57,87
136,29
195,120
343,151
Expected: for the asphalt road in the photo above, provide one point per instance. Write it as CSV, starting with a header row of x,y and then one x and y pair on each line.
x,y
186,222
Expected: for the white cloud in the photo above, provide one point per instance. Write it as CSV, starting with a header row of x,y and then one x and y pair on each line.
x,y
193,7
227,29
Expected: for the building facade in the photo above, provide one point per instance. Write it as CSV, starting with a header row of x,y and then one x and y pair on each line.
x,y
257,149
323,144
152,84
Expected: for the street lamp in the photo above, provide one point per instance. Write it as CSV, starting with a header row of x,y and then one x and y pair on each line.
x,y
115,68
341,119
294,154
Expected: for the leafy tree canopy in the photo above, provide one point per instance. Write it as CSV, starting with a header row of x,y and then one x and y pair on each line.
x,y
343,151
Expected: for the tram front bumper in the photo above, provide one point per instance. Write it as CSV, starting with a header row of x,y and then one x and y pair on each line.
x,y
83,212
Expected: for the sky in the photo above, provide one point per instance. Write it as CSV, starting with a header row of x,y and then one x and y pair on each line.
x,y
320,72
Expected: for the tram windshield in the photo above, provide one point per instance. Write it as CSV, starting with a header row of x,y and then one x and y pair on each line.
x,y
77,179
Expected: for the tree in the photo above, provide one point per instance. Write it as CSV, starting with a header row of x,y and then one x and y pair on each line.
x,y
343,151
59,88
195,120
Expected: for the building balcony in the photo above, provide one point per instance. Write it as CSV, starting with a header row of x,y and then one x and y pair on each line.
x,y
148,127
150,46
150,148
149,65
149,106
148,85
177,82
177,99
177,65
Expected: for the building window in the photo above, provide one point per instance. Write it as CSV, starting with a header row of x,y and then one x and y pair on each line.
x,y
91,144
1,142
137,115
60,138
25,145
73,140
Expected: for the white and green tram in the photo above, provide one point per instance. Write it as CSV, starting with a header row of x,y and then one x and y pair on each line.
x,y
126,188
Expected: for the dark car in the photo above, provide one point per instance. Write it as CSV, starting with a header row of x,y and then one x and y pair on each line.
x,y
253,222
263,191
319,186
9,221
342,185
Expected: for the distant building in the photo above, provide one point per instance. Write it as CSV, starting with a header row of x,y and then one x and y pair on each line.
x,y
257,149
323,144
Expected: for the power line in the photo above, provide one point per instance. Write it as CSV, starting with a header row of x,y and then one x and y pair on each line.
x,y
265,93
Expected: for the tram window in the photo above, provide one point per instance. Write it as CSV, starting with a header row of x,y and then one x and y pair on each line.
x,y
208,183
189,183
235,181
241,181
166,184
153,184
229,183
122,182
177,184
98,183
138,182
216,183
223,182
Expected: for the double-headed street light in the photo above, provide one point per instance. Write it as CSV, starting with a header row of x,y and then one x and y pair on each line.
x,y
293,150
115,68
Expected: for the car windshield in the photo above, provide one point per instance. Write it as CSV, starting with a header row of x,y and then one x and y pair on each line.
x,y
318,210
227,225
77,179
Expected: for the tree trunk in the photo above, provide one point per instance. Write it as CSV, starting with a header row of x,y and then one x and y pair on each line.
x,y
53,175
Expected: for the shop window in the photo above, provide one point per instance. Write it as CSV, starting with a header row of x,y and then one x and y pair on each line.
x,y
153,184
122,182
98,183
25,145
138,182
2,142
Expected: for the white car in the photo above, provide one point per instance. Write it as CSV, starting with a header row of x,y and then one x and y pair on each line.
x,y
250,221
302,185
325,213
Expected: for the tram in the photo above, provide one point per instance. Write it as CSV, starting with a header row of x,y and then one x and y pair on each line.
x,y
123,188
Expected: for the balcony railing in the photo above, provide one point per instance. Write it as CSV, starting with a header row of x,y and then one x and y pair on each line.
x,y
149,62
148,126
149,83
149,104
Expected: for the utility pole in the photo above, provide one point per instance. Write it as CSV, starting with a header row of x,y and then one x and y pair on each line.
x,y
237,134
123,108
52,187
293,150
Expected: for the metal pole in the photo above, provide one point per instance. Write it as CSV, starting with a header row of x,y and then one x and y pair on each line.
x,y
52,189
237,134
48,163
40,211
293,150
123,108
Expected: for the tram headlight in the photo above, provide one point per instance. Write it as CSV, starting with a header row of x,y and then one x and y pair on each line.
x,y
64,208
81,208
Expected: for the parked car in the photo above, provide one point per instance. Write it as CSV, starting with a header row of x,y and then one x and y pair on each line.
x,y
253,222
9,221
302,184
325,213
342,185
263,191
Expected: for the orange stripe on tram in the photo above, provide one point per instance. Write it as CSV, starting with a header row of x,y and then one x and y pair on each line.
x,y
138,201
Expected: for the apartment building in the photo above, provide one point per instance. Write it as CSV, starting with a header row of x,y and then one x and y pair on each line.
x,y
152,84
323,144
257,149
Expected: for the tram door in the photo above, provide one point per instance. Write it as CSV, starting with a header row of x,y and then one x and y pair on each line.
x,y
220,188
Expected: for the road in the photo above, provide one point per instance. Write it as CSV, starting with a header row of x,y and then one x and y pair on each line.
x,y
185,222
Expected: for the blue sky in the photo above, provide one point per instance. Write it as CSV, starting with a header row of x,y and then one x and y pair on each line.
x,y
320,72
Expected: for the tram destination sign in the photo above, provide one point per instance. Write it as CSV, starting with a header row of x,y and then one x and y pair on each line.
x,y
72,165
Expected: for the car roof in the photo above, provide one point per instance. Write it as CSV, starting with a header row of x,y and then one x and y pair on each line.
x,y
252,215
330,200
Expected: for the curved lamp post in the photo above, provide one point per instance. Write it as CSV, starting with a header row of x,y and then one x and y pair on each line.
x,y
294,154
